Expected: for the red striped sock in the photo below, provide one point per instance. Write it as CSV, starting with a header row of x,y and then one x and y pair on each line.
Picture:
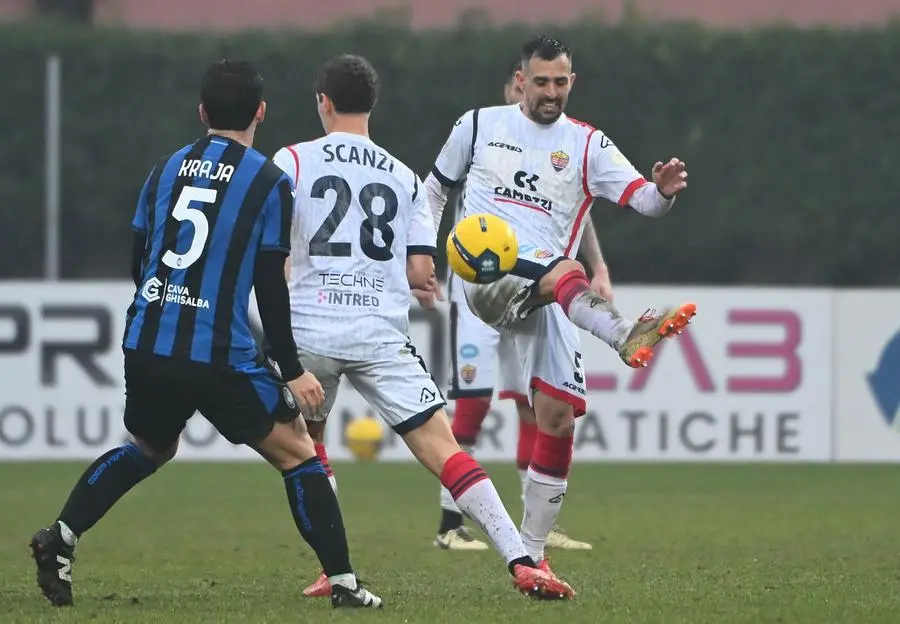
x,y
460,473
568,287
323,457
477,497
552,455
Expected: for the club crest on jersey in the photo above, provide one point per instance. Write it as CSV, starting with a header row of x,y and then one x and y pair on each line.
x,y
559,159
468,373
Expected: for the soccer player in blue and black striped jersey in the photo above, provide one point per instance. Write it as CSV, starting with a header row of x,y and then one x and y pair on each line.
x,y
213,220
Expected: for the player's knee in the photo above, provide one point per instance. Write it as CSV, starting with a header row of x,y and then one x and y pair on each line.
x,y
557,425
563,267
158,457
286,446
554,417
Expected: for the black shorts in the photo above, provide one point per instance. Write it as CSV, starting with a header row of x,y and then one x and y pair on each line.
x,y
161,395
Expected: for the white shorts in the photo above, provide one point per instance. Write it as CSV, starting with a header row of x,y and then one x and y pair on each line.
x,y
473,348
398,387
538,339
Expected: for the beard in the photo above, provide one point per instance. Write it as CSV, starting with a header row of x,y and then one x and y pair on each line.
x,y
546,110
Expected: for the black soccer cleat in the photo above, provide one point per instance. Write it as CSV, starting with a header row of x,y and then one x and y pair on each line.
x,y
54,565
360,598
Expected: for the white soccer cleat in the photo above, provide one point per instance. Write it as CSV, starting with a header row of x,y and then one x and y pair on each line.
x,y
459,539
558,539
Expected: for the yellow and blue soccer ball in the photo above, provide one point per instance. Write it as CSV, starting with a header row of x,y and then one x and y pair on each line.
x,y
482,248
364,437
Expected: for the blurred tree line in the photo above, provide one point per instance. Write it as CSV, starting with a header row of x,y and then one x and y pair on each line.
x,y
790,136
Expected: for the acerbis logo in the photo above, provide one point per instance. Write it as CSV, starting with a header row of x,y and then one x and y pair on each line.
x,y
885,381
150,291
512,148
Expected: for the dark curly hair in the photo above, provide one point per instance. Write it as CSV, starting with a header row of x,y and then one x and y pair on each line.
x,y
350,82
545,48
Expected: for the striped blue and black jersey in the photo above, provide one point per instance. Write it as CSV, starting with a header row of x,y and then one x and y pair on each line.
x,y
207,211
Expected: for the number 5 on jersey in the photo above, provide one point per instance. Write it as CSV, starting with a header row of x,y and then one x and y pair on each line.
x,y
183,212
321,245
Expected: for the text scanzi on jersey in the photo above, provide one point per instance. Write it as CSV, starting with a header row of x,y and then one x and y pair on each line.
x,y
356,155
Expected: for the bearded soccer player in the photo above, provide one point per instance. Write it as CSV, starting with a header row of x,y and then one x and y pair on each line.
x,y
363,235
473,348
520,160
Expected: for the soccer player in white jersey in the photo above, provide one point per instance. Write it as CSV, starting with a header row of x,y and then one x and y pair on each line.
x,y
362,236
540,170
473,348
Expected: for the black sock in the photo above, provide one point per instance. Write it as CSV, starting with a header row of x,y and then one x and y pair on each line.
x,y
450,520
318,516
528,562
102,484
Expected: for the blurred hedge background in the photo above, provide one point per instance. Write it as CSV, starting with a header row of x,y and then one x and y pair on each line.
x,y
791,136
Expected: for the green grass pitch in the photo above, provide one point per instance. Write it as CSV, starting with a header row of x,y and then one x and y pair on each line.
x,y
673,543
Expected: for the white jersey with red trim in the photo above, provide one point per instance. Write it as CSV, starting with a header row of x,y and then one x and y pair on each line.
x,y
358,214
541,178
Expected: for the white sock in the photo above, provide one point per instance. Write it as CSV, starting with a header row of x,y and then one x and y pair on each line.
x,y
523,474
67,534
591,313
347,580
447,502
543,500
333,481
482,504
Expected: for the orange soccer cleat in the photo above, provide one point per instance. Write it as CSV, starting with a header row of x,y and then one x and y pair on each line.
x,y
541,583
652,327
320,588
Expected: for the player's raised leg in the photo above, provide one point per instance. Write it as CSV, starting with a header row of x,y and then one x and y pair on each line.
x,y
567,284
405,395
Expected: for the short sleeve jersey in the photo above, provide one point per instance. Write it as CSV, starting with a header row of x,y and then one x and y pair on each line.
x,y
541,178
358,214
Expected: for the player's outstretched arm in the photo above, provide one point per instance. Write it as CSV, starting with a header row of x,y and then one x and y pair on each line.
x,y
610,175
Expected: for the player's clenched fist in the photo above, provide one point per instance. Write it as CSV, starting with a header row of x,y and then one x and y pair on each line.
x,y
670,177
308,391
